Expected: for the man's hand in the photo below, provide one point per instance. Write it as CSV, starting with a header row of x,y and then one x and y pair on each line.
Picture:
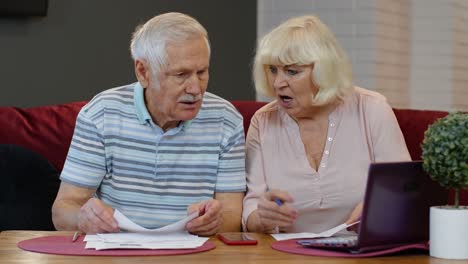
x,y
97,217
76,209
209,219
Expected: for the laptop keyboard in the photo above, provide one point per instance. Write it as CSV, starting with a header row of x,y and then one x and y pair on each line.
x,y
330,242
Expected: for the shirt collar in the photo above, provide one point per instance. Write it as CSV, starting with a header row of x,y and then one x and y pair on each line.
x,y
140,107
142,112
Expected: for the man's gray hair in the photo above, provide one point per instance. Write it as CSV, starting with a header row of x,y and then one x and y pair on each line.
x,y
150,39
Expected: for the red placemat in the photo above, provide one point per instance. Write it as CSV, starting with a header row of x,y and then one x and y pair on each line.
x,y
290,246
62,245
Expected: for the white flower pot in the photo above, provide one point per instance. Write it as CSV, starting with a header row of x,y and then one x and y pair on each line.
x,y
449,232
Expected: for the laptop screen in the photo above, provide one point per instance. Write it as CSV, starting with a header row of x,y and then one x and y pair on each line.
x,y
396,204
396,208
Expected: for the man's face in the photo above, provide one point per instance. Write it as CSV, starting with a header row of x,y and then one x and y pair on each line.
x,y
182,83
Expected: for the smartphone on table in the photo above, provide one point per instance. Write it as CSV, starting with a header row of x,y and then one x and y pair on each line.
x,y
236,238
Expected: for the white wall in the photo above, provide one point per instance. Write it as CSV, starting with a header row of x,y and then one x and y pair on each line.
x,y
432,54
415,52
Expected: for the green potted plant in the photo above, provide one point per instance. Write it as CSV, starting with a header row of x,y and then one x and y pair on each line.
x,y
445,159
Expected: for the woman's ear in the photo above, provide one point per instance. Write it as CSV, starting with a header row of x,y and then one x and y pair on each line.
x,y
142,72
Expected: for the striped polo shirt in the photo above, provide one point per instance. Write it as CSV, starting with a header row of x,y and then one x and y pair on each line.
x,y
149,175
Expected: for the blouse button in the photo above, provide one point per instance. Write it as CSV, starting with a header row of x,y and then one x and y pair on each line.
x,y
330,139
332,124
323,165
327,152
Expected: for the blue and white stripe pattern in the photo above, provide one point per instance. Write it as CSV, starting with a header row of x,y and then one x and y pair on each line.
x,y
148,175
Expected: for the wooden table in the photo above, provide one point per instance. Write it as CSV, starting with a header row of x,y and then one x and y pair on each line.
x,y
261,253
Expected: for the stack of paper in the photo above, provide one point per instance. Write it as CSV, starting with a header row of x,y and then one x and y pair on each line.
x,y
140,241
327,233
173,236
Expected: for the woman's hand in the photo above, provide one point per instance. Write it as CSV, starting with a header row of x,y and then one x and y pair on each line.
x,y
354,217
272,215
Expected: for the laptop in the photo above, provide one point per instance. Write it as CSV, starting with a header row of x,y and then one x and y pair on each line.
x,y
395,211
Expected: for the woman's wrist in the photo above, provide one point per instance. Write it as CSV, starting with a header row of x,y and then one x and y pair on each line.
x,y
254,224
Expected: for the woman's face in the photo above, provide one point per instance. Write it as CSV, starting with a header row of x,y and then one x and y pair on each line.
x,y
294,87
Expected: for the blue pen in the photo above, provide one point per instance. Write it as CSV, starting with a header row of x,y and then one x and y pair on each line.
x,y
278,202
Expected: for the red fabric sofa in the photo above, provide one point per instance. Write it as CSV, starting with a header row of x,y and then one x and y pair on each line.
x,y
47,130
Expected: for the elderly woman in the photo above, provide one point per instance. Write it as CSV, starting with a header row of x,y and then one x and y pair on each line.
x,y
308,151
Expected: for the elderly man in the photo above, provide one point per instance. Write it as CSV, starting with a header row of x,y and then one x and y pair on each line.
x,y
158,149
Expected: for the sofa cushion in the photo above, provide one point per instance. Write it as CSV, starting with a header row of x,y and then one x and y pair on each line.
x,y
46,130
247,110
28,190
51,136
413,124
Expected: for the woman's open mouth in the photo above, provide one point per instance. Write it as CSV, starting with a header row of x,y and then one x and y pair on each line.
x,y
286,99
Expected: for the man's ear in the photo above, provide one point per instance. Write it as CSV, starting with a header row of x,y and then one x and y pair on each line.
x,y
142,72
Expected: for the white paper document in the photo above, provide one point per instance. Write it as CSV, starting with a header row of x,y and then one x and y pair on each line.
x,y
327,233
143,241
129,226
173,236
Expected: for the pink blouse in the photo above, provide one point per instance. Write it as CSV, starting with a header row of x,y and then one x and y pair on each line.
x,y
363,129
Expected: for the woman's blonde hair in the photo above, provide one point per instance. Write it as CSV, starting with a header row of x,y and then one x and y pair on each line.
x,y
305,40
